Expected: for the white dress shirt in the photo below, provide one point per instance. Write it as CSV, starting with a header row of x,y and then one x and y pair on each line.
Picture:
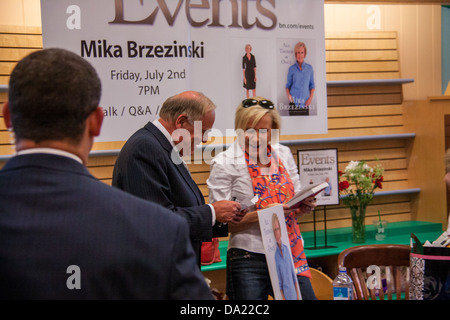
x,y
57,152
230,178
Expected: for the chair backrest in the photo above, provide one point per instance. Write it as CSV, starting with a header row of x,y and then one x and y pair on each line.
x,y
390,266
322,285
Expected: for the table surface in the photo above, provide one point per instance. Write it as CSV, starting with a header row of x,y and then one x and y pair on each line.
x,y
340,239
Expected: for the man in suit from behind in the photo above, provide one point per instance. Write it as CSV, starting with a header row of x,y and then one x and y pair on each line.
x,y
149,166
63,233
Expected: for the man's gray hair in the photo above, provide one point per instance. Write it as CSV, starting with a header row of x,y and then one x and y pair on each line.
x,y
193,104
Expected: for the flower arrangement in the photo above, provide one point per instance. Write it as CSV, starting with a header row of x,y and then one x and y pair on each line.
x,y
357,184
360,182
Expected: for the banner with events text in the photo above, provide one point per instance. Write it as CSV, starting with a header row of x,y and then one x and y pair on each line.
x,y
148,50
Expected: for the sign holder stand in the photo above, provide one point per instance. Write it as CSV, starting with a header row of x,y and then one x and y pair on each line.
x,y
324,229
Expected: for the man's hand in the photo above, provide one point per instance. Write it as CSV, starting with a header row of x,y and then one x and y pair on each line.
x,y
227,211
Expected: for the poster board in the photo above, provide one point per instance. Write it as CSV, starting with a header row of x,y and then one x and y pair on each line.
x,y
278,253
148,50
320,165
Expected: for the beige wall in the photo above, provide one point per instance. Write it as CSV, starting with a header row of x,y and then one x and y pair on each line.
x,y
20,13
426,167
419,35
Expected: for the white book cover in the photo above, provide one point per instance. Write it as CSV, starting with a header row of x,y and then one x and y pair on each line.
x,y
305,193
278,254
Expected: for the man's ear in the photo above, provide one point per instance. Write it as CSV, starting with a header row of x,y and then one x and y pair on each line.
x,y
7,115
180,121
95,121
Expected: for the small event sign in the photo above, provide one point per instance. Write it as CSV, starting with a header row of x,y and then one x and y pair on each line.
x,y
148,50
317,166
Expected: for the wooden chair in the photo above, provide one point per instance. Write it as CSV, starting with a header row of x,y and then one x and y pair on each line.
x,y
393,261
322,285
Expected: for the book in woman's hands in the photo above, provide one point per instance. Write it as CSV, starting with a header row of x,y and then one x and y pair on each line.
x,y
305,193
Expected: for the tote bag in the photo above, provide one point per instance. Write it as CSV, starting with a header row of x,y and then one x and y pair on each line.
x,y
429,272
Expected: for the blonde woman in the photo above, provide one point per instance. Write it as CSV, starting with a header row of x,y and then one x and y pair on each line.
x,y
285,272
249,70
300,85
254,165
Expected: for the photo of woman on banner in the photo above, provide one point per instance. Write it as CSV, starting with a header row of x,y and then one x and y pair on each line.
x,y
287,279
249,70
300,85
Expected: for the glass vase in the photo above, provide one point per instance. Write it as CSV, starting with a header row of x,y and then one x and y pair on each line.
x,y
358,223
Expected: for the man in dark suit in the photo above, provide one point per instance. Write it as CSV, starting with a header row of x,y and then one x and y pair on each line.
x,y
63,233
149,166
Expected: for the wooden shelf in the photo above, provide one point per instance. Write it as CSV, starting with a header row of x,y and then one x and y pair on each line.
x,y
439,98
115,152
375,82
349,139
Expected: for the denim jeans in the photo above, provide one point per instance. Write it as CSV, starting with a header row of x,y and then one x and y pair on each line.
x,y
248,277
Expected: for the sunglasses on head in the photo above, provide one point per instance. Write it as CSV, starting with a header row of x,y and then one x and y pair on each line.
x,y
266,104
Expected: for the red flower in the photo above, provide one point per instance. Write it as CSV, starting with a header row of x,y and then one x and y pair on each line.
x,y
343,185
378,182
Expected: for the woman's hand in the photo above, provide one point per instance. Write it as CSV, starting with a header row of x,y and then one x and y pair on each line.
x,y
308,102
308,205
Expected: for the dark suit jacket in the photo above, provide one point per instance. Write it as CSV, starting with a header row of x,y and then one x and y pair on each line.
x,y
54,214
145,168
